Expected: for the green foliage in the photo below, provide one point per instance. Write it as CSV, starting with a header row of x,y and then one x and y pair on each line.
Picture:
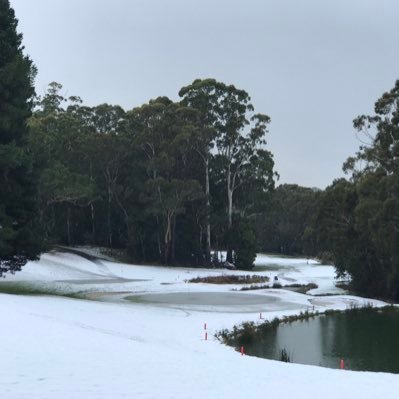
x,y
286,226
358,220
241,167
60,184
249,332
230,279
148,179
19,236
245,246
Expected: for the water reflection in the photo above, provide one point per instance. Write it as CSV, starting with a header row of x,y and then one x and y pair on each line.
x,y
367,341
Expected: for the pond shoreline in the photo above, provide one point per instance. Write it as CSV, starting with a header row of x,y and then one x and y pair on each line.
x,y
249,335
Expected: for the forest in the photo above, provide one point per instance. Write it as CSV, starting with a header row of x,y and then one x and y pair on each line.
x,y
169,182
165,180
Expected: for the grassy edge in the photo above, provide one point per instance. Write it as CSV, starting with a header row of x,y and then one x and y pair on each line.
x,y
29,289
246,332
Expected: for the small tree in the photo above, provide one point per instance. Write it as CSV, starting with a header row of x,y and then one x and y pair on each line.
x,y
242,238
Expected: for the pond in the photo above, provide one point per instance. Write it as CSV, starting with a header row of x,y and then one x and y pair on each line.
x,y
226,302
365,340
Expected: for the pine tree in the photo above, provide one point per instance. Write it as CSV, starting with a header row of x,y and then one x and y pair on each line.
x,y
19,241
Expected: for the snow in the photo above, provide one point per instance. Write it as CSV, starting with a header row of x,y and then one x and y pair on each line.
x,y
154,347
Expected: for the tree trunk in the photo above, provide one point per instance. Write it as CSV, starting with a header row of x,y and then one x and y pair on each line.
x,y
229,255
208,216
125,218
229,199
142,247
198,255
68,225
93,225
109,217
173,251
167,240
159,240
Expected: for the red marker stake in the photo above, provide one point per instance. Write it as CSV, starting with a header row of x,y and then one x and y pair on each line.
x,y
342,364
206,336
204,326
242,351
260,316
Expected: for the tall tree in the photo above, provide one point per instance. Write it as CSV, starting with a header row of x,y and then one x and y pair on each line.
x,y
229,125
162,128
202,95
59,145
360,217
19,241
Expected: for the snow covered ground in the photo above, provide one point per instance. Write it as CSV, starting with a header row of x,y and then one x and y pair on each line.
x,y
141,334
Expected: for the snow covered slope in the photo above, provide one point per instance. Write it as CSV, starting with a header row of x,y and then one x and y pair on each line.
x,y
55,347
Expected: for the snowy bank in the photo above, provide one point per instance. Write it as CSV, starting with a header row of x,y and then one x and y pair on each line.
x,y
55,347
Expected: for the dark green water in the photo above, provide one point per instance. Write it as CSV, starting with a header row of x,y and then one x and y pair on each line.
x,y
366,341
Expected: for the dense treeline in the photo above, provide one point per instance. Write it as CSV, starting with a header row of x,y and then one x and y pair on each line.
x,y
287,224
354,222
359,217
168,181
165,180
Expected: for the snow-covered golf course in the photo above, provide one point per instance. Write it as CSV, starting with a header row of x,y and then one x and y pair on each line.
x,y
139,332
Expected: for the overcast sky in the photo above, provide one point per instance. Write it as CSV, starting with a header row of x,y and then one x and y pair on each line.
x,y
311,65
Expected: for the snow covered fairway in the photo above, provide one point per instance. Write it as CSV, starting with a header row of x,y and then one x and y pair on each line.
x,y
153,346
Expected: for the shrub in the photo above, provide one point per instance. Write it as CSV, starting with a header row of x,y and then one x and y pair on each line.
x,y
284,356
230,279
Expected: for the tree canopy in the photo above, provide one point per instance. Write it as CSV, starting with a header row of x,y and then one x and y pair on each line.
x,y
358,219
168,181
150,179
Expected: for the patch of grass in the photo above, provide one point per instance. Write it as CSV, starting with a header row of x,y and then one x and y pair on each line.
x,y
301,288
230,279
254,287
118,255
366,308
22,288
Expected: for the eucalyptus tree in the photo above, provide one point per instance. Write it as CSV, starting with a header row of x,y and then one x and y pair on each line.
x,y
19,238
230,126
161,130
364,233
202,95
109,154
145,124
58,142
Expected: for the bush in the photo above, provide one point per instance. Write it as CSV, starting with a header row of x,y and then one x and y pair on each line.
x,y
284,356
230,279
245,247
